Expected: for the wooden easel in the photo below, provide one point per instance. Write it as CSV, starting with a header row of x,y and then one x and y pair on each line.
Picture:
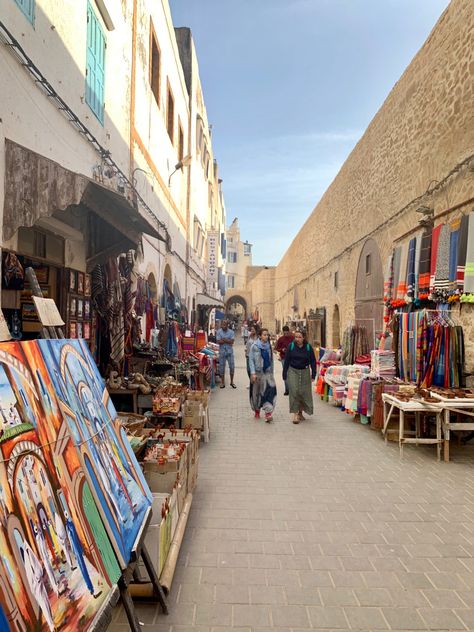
x,y
139,550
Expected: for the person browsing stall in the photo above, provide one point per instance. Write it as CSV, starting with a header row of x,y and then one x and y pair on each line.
x,y
299,369
225,338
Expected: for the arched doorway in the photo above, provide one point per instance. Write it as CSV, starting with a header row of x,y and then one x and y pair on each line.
x,y
336,327
369,291
236,307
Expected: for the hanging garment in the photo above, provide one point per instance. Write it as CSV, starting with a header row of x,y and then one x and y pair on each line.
x,y
388,280
411,268
441,282
424,267
402,280
462,251
469,269
434,254
417,264
453,255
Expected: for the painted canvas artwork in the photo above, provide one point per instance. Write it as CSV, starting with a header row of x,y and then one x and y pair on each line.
x,y
115,477
57,565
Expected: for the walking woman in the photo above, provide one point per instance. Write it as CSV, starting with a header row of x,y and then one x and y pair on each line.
x,y
253,337
299,369
262,381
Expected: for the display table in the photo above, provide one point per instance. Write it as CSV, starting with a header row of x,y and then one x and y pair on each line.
x,y
418,409
460,406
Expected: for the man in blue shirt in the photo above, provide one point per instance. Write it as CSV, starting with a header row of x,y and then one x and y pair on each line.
x,y
225,339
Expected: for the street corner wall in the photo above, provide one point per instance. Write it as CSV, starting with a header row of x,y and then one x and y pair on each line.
x,y
424,129
261,285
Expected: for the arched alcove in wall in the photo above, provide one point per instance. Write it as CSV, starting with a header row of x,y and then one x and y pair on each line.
x,y
369,290
336,327
153,287
167,276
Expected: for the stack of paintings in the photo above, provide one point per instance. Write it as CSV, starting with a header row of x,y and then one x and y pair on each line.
x,y
73,499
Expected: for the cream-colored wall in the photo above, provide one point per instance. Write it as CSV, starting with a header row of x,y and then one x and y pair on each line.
x,y
261,285
424,130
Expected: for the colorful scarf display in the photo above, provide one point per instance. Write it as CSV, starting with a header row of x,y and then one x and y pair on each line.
x,y
424,267
462,251
429,349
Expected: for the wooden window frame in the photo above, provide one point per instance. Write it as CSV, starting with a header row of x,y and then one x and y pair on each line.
x,y
153,87
180,140
169,93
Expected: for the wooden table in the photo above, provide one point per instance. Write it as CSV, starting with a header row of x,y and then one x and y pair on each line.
x,y
459,405
132,395
418,408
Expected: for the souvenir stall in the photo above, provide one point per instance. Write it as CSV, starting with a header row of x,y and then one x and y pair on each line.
x,y
416,378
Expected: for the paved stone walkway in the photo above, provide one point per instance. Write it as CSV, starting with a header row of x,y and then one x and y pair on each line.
x,y
320,526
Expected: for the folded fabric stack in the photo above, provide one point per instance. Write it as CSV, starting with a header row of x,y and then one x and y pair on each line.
x,y
383,363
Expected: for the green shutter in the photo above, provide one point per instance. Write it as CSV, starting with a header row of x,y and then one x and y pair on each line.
x,y
95,65
28,8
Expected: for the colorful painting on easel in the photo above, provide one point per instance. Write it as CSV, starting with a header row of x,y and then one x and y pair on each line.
x,y
116,480
57,565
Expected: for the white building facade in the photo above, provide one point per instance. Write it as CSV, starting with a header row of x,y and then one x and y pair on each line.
x,y
105,148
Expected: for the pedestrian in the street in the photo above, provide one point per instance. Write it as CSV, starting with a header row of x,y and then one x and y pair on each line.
x,y
299,370
253,337
244,331
225,338
263,390
282,345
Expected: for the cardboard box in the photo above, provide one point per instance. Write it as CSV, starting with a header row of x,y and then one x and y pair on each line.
x,y
199,396
193,415
193,474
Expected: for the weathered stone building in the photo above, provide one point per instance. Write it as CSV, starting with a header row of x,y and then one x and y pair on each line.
x,y
417,151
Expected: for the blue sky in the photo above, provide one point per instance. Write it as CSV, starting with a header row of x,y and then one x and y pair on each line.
x,y
290,86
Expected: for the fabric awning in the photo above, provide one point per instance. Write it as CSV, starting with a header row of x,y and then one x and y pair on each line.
x,y
203,300
37,187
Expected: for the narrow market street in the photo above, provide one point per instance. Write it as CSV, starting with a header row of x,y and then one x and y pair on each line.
x,y
320,525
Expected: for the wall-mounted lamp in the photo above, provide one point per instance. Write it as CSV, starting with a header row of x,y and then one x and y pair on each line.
x,y
185,162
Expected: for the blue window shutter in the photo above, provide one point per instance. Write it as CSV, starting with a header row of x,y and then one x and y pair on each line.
x,y
95,65
28,8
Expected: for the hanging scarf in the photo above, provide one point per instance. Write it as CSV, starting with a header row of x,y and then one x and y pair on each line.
x,y
453,255
411,268
462,251
441,282
417,264
425,259
469,272
402,280
434,254
265,351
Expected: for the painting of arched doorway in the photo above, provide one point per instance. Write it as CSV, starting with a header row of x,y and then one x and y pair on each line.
x,y
336,327
236,307
369,291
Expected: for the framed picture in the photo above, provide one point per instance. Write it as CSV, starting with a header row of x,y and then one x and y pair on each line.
x,y
79,330
26,294
72,307
72,280
86,330
87,284
80,308
87,309
42,274
29,313
72,330
80,282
